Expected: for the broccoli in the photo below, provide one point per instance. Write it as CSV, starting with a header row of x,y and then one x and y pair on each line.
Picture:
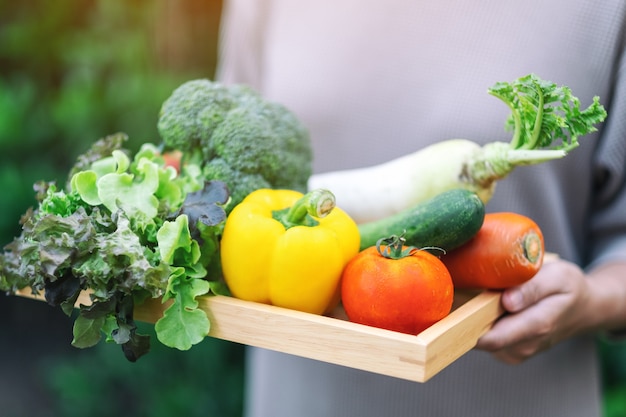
x,y
237,137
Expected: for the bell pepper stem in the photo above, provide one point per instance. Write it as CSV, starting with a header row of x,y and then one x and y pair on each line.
x,y
317,203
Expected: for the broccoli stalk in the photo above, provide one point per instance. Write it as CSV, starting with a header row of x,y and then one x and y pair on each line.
x,y
237,137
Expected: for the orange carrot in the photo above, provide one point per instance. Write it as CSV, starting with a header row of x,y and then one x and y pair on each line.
x,y
507,251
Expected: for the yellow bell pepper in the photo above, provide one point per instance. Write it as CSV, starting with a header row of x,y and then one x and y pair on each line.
x,y
287,249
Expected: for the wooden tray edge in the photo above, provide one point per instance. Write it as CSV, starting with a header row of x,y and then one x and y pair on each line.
x,y
333,340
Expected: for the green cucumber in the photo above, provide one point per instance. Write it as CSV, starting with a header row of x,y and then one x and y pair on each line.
x,y
445,222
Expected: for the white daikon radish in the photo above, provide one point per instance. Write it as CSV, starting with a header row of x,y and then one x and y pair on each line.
x,y
546,120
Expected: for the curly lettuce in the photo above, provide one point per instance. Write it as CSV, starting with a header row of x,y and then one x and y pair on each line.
x,y
124,228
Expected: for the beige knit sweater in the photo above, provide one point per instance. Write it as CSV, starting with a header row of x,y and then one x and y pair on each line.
x,y
373,80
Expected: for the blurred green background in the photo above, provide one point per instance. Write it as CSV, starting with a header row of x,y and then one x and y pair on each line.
x,y
72,71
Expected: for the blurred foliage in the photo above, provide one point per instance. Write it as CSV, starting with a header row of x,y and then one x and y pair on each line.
x,y
205,381
613,359
72,71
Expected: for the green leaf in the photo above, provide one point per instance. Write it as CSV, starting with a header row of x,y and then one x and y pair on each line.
x,y
47,247
109,326
220,288
84,183
170,193
121,263
132,193
544,115
101,149
176,246
61,290
87,332
122,333
98,309
183,324
57,202
137,346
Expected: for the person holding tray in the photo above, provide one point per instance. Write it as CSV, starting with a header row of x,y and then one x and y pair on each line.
x,y
377,80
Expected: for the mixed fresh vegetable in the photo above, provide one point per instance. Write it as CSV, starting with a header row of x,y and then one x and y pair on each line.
x,y
218,208
127,228
546,120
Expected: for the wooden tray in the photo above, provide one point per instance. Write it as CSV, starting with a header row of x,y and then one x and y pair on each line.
x,y
338,341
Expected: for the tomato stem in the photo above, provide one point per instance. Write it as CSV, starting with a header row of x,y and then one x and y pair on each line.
x,y
394,247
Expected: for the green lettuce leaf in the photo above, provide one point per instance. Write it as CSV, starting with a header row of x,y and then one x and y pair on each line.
x,y
87,332
176,246
183,324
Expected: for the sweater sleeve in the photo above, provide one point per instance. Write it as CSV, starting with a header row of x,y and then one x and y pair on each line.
x,y
607,232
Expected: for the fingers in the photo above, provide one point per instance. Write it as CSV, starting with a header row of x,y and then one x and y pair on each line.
x,y
539,314
531,292
520,352
516,337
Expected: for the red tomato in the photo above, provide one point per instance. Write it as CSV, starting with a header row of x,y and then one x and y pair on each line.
x,y
173,159
406,295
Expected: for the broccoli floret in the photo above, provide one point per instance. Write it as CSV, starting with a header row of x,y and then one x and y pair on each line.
x,y
237,137
218,169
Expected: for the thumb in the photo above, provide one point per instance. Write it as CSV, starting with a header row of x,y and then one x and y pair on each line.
x,y
518,298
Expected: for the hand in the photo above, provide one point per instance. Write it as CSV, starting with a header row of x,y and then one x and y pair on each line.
x,y
554,305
